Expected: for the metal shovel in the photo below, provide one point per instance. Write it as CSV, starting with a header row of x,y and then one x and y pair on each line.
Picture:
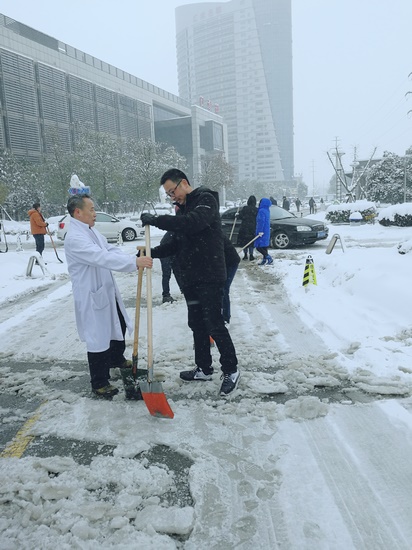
x,y
152,392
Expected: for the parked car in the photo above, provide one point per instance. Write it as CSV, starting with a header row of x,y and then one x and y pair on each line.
x,y
107,225
286,229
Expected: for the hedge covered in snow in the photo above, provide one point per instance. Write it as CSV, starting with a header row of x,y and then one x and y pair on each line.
x,y
340,213
397,214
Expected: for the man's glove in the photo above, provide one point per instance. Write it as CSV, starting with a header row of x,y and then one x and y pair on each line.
x,y
148,219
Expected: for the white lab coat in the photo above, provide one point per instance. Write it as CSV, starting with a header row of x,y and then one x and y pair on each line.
x,y
90,259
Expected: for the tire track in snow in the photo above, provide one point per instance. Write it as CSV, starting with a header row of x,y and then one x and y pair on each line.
x,y
349,458
274,315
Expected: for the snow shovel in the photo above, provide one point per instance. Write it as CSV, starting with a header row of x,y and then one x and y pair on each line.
x,y
152,392
135,355
54,246
250,242
234,223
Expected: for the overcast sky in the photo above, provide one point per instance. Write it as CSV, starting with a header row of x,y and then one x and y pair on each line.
x,y
352,60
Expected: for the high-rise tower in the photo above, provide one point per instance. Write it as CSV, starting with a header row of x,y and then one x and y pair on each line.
x,y
236,58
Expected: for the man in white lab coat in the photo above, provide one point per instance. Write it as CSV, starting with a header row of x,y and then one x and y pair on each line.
x,y
100,313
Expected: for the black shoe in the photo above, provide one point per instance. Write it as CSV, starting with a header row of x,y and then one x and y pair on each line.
x,y
230,382
167,299
244,257
107,392
252,258
131,389
127,364
195,374
133,393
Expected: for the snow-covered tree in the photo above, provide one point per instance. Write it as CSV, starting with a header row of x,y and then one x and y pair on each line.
x,y
216,172
56,169
385,180
21,180
144,163
98,160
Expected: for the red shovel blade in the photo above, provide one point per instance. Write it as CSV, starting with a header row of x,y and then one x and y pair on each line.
x,y
155,399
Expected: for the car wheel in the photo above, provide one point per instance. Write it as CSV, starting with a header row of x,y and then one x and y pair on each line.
x,y
129,234
280,239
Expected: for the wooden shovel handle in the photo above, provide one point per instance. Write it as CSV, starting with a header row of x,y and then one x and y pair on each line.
x,y
149,310
137,312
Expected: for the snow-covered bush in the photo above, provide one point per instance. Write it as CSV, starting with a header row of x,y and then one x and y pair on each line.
x,y
397,214
340,213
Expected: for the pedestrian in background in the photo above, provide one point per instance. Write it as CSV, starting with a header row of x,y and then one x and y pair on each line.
x,y
285,204
37,226
263,231
298,204
167,270
247,216
312,206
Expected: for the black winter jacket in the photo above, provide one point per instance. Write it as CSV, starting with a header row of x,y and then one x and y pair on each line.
x,y
197,239
231,254
247,229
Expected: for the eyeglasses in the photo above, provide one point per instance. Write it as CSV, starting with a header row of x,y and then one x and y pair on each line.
x,y
172,193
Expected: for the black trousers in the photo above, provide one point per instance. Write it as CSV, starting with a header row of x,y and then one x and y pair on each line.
x,y
100,363
166,274
39,243
204,307
263,250
231,272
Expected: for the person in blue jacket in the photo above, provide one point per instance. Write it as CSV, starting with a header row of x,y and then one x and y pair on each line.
x,y
263,230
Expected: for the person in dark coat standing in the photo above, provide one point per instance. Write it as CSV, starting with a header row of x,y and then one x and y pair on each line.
x,y
247,227
198,245
168,267
312,206
285,204
263,230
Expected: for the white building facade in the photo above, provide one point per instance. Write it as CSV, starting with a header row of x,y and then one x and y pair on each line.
x,y
235,58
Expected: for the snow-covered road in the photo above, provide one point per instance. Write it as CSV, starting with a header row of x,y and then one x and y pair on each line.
x,y
299,458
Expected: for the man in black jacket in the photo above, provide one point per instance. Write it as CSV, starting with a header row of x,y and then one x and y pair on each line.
x,y
198,248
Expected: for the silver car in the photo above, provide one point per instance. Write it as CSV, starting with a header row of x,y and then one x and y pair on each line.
x,y
107,225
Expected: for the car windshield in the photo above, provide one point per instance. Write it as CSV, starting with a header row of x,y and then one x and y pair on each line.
x,y
277,213
230,214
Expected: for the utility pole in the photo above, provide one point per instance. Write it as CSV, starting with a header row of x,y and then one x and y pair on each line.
x,y
338,169
355,164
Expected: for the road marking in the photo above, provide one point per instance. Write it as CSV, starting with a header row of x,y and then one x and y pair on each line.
x,y
22,439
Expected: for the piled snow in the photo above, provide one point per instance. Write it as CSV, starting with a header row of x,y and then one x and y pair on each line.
x,y
288,462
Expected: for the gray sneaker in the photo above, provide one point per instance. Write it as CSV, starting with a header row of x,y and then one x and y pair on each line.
x,y
230,382
195,374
